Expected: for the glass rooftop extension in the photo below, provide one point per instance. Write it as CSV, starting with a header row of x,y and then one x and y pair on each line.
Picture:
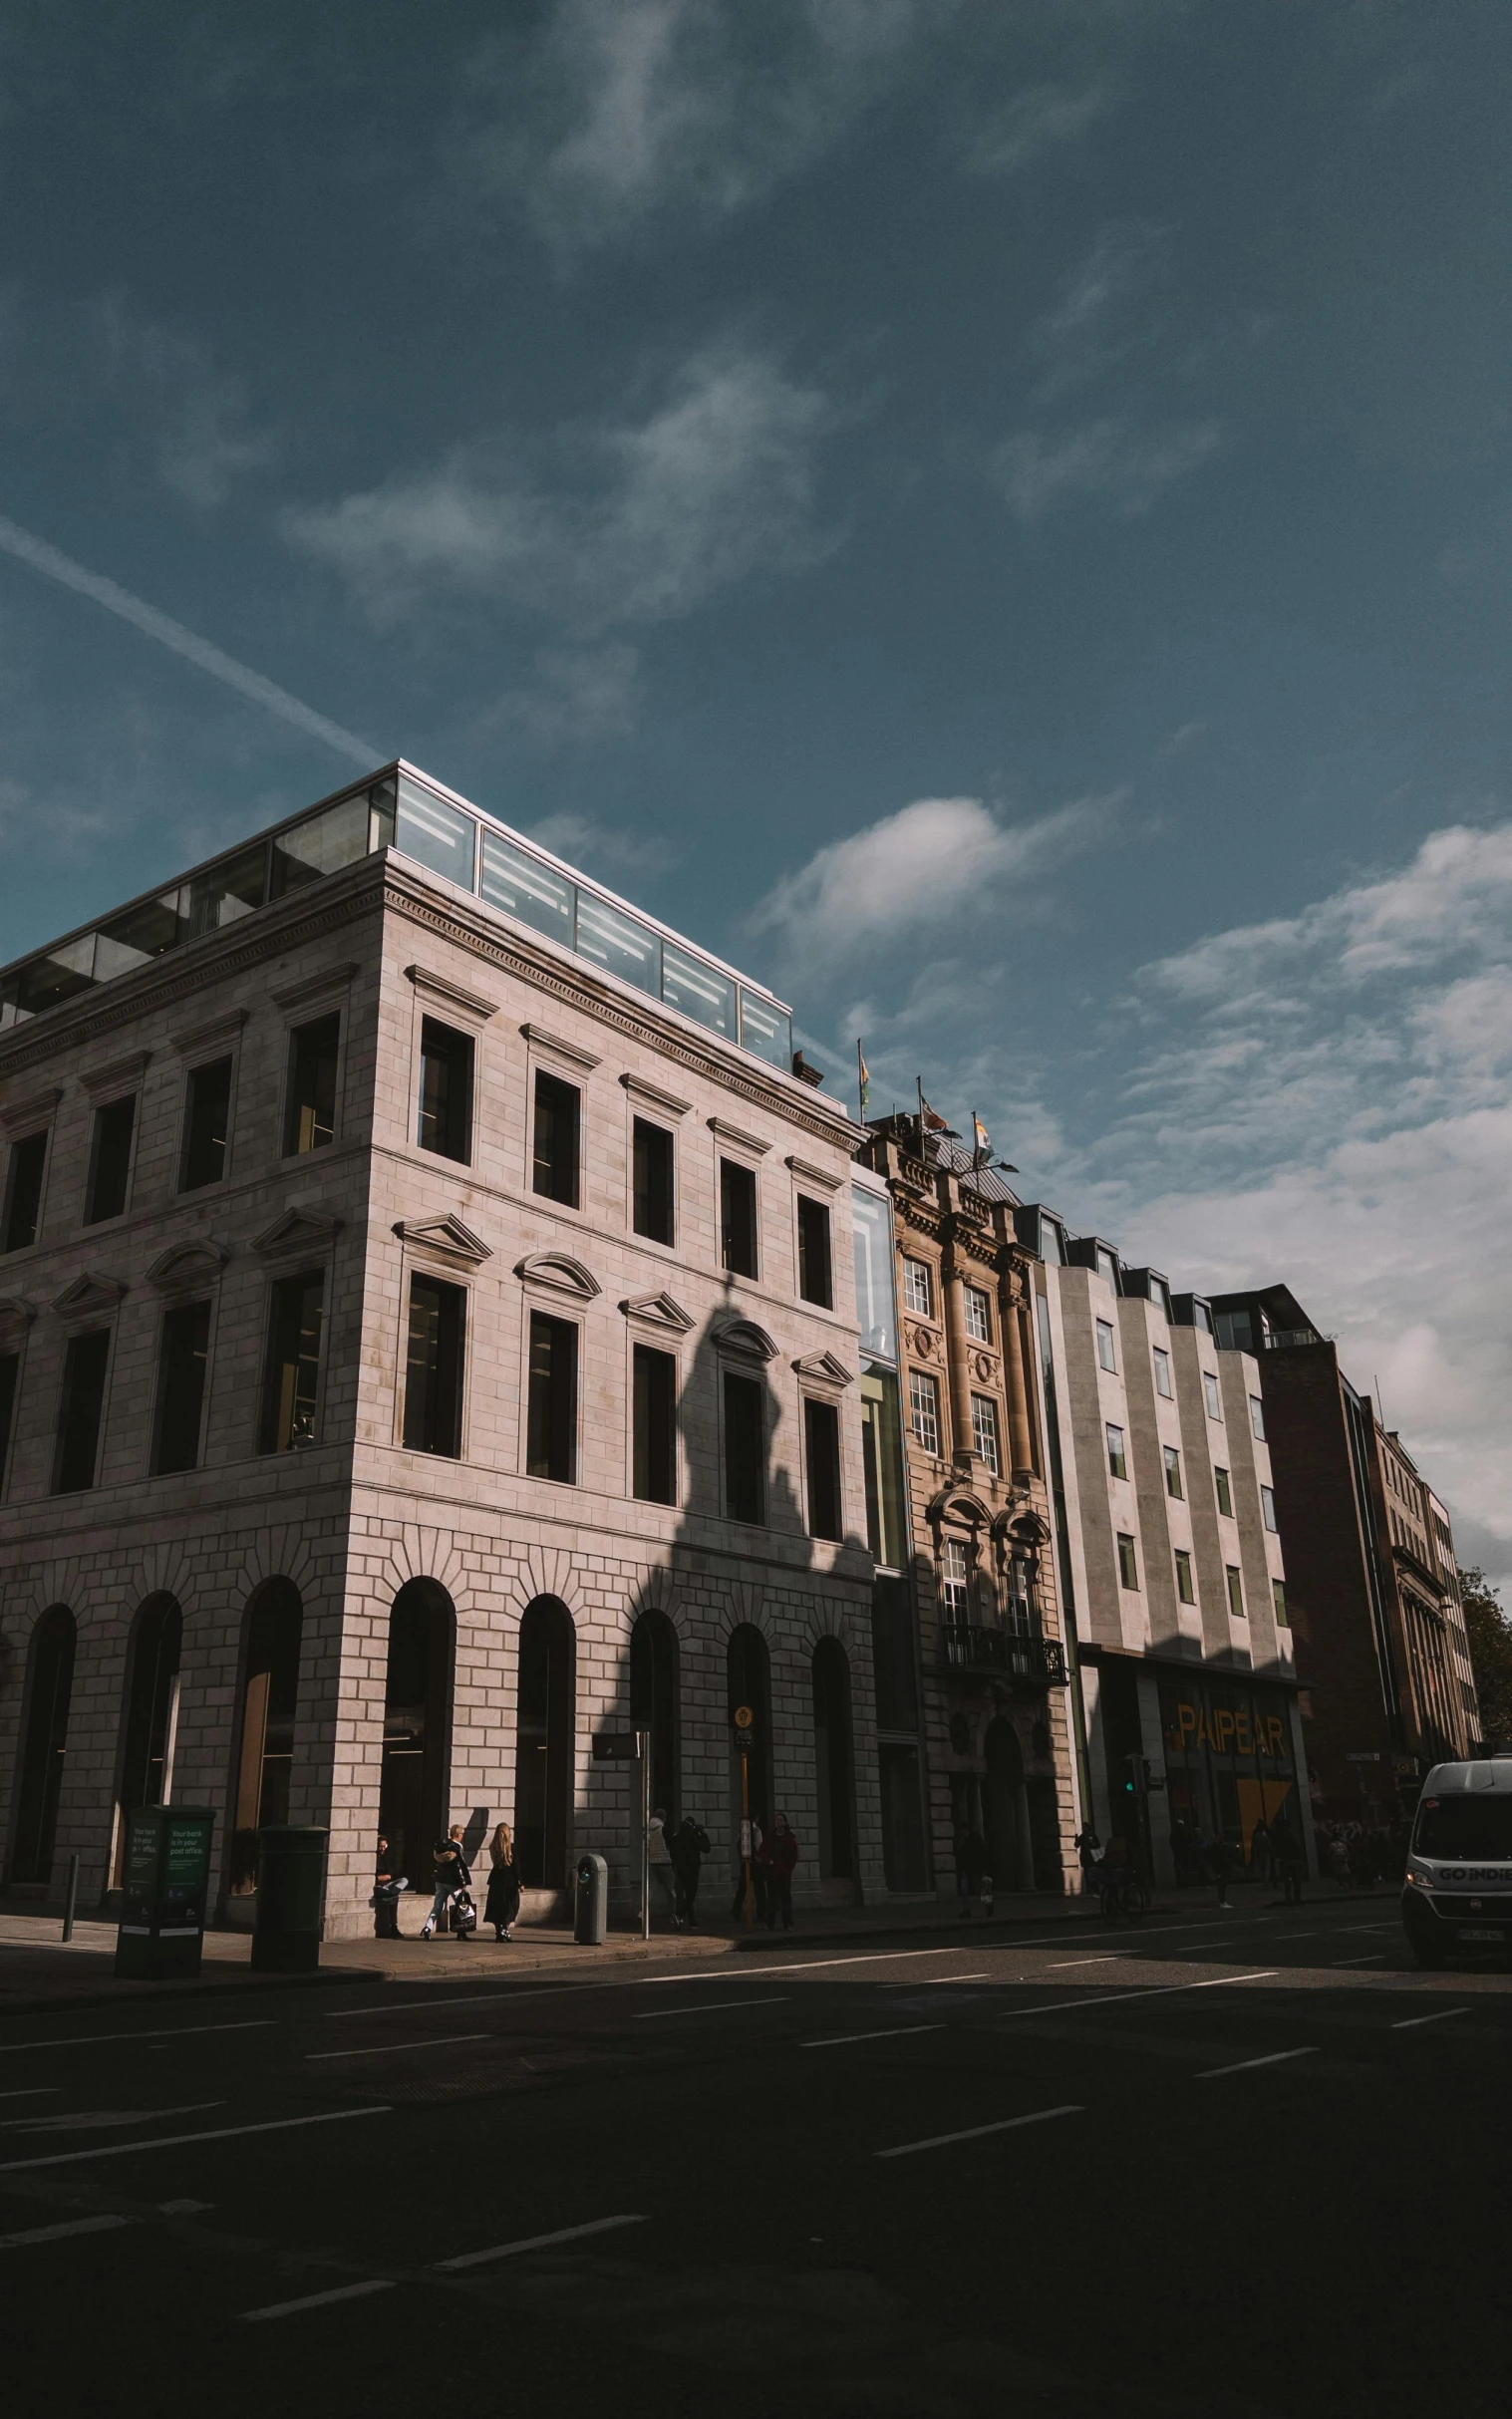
x,y
400,809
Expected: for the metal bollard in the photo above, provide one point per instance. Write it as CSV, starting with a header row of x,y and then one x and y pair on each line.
x,y
71,1899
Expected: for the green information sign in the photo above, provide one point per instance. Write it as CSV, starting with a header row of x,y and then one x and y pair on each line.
x,y
167,1874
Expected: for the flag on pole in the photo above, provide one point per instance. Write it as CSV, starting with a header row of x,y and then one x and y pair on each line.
x,y
863,1081
982,1142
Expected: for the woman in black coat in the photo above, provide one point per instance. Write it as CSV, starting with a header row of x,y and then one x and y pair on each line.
x,y
502,1907
689,1847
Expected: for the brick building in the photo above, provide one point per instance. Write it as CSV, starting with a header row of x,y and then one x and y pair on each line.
x,y
975,1515
1381,1651
428,1336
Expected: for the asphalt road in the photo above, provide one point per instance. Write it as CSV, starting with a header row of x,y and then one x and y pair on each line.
x,y
1213,2164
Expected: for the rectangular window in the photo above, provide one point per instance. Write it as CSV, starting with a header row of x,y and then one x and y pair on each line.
x,y
1173,1472
1235,1592
1107,1358
552,1419
10,1372
1107,1268
978,1317
109,1160
1268,1508
181,1364
295,1316
871,1241
695,988
309,1118
1128,1563
445,1091
1279,1599
1164,1374
81,1412
619,944
821,1456
955,1579
435,1360
1118,1459
738,1218
435,834
924,1410
814,1279
206,1126
983,1432
882,1466
22,1192
918,1292
554,1139
653,1181
745,1450
655,1424
1210,1391
1225,1496
1257,1418
527,890
1185,1591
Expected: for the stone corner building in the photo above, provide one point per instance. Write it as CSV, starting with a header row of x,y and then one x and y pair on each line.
x,y
427,1337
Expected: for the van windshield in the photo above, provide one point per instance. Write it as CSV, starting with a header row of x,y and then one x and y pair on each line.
x,y
1475,1824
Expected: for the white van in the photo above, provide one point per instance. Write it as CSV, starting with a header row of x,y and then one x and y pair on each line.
x,y
1459,1887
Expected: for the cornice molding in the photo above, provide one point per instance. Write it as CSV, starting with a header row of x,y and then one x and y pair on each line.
x,y
39,1109
558,1273
298,1234
659,1310
16,1316
743,1339
641,1090
119,1077
314,987
806,1173
448,1237
183,1266
221,1031
552,1045
822,1368
90,1297
459,1003
738,1135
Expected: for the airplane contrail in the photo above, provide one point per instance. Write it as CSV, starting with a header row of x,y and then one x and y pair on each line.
x,y
47,559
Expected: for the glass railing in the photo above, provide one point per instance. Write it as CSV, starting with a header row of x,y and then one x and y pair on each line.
x,y
403,814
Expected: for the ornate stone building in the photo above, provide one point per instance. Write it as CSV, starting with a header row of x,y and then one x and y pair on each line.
x,y
427,1337
991,1656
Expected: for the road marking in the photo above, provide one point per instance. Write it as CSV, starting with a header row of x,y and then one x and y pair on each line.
x,y
1281,1935
1195,1949
974,2133
55,2233
650,2015
85,2120
1278,2057
1367,1927
392,2049
342,2293
564,2234
1166,1990
169,2141
754,1974
1376,1957
942,1981
33,2091
894,2032
1439,2016
88,2041
504,1996
1111,1958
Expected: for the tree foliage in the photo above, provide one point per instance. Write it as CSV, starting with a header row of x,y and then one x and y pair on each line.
x,y
1489,1628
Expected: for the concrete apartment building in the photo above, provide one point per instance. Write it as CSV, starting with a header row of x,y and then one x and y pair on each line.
x,y
1381,1651
973,1533
1171,1565
428,1337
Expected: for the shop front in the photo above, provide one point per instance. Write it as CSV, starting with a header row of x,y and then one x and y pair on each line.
x,y
1230,1765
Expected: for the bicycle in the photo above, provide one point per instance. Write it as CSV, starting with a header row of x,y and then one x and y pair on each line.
x,y
1124,1894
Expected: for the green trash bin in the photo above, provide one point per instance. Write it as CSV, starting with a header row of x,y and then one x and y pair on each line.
x,y
291,1896
168,1873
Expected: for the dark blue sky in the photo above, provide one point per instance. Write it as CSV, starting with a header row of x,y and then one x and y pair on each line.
x,y
995,517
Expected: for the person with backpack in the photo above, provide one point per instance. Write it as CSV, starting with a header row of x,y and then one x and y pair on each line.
x,y
690,1845
502,1906
450,1872
780,1854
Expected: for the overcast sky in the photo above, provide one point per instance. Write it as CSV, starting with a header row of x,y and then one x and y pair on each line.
x,y
995,518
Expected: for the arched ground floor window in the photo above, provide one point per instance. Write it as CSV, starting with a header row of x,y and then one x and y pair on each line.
x,y
49,1687
545,1727
413,1798
269,1703
151,1716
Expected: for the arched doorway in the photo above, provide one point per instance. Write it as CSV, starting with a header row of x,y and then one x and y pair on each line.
x,y
653,1704
151,1715
834,1768
545,1727
412,1805
49,1687
265,1749
748,1681
1004,1809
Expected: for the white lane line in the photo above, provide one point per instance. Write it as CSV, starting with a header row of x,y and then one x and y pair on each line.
x,y
1113,1956
1284,1936
1166,1990
1278,2057
974,2133
894,2032
1367,1927
1440,2015
392,2049
564,2234
88,2120
1197,1948
1378,1957
88,2041
342,2293
652,2016
754,1974
55,2233
33,2091
941,1981
169,2141
506,1996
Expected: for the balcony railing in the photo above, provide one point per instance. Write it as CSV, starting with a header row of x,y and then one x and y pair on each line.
x,y
1003,1653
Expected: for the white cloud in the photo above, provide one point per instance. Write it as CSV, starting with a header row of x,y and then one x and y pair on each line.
x,y
718,481
1032,123
197,418
584,841
1107,459
913,870
570,693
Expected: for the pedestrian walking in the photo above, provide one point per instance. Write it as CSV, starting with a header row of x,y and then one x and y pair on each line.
x,y
1339,1860
502,1906
690,1845
753,1837
780,1854
659,1862
450,1872
971,1856
1222,1857
1088,1849
386,1885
